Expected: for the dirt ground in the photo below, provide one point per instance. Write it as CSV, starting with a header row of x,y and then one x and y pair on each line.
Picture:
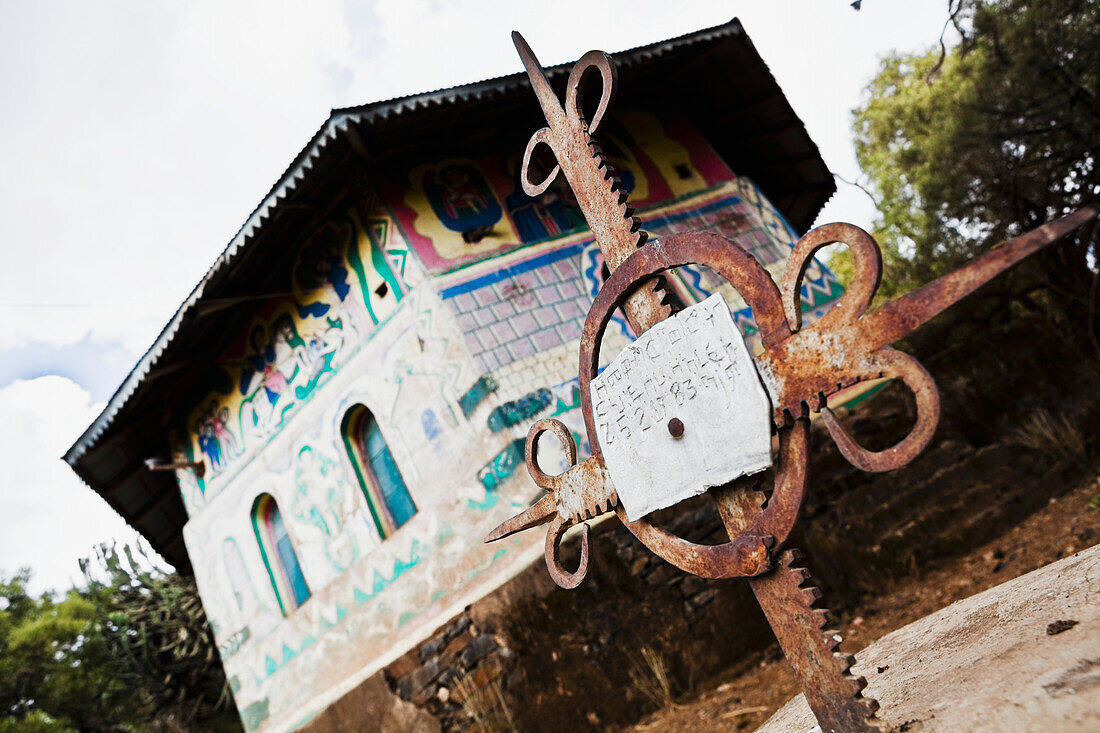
x,y
743,698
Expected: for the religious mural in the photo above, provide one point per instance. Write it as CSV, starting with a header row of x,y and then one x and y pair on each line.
x,y
342,287
460,197
458,210
324,500
553,214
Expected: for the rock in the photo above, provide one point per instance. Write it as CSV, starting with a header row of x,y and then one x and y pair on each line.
x,y
476,650
701,599
986,663
430,648
403,665
458,643
415,687
457,627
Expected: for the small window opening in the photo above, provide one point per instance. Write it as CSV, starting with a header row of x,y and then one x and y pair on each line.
x,y
291,589
387,496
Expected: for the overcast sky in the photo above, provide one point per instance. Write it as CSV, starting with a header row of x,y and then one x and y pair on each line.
x,y
136,137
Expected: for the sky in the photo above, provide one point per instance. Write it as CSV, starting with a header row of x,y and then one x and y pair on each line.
x,y
137,137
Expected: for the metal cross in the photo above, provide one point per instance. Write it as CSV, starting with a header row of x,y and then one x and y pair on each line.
x,y
797,370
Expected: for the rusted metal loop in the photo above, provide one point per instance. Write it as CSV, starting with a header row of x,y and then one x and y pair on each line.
x,y
746,554
536,189
889,362
554,535
792,476
531,449
858,294
598,61
749,553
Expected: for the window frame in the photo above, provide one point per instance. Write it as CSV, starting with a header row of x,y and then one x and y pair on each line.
x,y
263,509
358,454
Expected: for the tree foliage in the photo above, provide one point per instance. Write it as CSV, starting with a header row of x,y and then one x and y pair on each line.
x,y
131,650
969,146
54,667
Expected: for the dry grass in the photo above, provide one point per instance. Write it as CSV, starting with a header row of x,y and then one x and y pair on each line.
x,y
485,706
1057,438
649,676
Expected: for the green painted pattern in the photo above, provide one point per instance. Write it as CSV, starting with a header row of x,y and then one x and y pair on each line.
x,y
378,262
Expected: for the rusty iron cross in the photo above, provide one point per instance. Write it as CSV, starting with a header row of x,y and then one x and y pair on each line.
x,y
799,367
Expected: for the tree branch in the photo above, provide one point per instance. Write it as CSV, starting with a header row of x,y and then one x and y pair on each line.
x,y
860,186
952,14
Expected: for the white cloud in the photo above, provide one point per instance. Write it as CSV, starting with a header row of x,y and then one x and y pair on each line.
x,y
50,518
136,140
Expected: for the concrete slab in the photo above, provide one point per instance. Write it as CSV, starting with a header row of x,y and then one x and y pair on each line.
x,y
990,662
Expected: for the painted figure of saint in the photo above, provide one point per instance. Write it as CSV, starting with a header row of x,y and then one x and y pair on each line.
x,y
209,445
320,348
321,500
261,383
219,421
461,198
552,214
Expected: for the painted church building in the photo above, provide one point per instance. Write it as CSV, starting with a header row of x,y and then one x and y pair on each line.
x,y
351,383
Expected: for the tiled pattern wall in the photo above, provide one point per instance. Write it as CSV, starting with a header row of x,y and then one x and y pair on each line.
x,y
530,310
734,217
537,302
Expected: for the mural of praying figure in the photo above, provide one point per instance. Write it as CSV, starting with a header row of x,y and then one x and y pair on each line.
x,y
261,366
243,593
216,441
209,445
219,420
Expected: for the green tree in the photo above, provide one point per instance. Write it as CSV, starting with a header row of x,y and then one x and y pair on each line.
x,y
159,641
971,145
129,652
54,667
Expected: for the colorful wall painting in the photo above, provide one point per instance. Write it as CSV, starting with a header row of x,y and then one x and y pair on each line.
x,y
342,287
537,298
323,500
459,210
367,596
460,197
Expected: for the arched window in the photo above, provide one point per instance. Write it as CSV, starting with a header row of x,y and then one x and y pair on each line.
x,y
388,497
278,553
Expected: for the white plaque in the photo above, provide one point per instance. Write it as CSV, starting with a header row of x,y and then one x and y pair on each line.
x,y
693,366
